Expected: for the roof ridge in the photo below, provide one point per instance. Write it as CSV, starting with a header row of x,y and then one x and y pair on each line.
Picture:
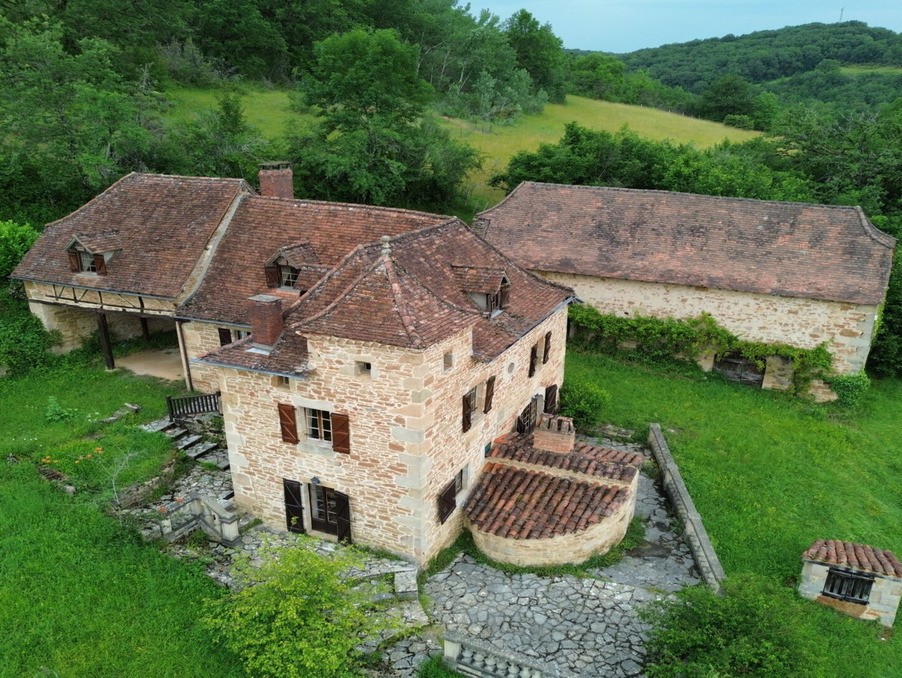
x,y
873,232
331,203
403,308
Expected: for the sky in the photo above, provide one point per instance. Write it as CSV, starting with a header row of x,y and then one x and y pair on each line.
x,y
626,25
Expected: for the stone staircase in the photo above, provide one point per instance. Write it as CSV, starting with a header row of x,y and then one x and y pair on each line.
x,y
195,446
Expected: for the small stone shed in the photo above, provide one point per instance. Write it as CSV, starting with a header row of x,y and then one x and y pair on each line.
x,y
545,499
855,579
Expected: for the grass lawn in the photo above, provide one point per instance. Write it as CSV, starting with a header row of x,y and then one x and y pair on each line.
x,y
770,474
80,595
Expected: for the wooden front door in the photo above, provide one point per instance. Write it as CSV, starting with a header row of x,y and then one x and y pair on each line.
x,y
294,505
330,512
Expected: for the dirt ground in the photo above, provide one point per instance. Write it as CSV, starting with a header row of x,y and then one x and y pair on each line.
x,y
164,363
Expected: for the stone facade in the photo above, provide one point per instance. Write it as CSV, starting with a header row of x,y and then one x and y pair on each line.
x,y
405,420
846,328
567,548
199,338
883,601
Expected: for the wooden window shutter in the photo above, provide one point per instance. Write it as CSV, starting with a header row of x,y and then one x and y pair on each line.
x,y
547,351
447,501
74,263
341,433
100,264
288,424
489,394
505,294
533,359
225,335
551,399
467,420
272,275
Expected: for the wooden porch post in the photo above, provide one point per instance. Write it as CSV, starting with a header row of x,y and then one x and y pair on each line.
x,y
105,345
145,329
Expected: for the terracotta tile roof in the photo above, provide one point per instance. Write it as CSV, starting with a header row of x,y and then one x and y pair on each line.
x,y
856,556
160,226
607,454
590,461
290,359
306,231
478,279
408,296
523,504
786,249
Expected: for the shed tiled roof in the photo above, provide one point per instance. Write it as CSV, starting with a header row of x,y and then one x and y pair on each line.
x,y
591,461
780,248
855,556
160,226
305,231
523,504
403,293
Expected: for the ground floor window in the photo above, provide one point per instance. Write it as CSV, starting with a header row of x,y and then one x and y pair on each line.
x,y
739,368
330,512
855,588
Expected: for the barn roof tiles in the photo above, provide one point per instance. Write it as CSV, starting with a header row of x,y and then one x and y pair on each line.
x,y
854,556
778,248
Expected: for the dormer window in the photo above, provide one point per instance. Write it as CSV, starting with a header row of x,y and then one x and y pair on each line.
x,y
487,288
281,274
82,261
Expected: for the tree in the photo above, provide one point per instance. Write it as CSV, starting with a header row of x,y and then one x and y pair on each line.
x,y
728,95
372,144
296,614
363,79
539,51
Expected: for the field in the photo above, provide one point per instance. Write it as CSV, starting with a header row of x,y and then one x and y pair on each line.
x,y
269,111
80,595
770,474
868,70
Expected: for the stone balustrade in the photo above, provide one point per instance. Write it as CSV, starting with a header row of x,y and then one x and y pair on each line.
x,y
471,658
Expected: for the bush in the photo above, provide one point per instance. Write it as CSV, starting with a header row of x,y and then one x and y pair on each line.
x,y
750,630
15,239
584,402
295,615
24,342
850,388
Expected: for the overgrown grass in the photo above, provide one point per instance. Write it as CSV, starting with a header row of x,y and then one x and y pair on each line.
x,y
434,667
81,597
770,473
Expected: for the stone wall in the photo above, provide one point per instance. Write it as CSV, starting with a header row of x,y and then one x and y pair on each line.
x,y
847,328
407,442
199,338
882,605
569,548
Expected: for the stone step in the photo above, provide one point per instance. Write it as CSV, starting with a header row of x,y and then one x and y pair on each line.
x,y
406,584
158,425
175,433
219,457
200,449
187,441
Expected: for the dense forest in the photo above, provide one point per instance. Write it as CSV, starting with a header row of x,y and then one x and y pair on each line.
x,y
83,96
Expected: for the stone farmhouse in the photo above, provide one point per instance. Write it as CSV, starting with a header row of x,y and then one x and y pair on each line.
x,y
771,272
367,357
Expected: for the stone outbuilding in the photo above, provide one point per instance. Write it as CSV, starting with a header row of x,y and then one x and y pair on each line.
x,y
544,499
771,272
855,579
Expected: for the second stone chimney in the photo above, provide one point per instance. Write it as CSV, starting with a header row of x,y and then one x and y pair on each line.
x,y
266,319
276,180
554,434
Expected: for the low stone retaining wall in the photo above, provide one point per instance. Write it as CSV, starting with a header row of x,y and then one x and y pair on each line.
x,y
706,559
569,548
471,658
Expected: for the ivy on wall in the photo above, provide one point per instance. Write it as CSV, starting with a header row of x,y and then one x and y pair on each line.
x,y
663,339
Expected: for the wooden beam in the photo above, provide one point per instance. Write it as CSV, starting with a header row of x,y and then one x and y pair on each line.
x,y
105,345
145,330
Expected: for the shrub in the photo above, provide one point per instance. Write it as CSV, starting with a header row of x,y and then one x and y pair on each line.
x,y
24,342
584,402
750,629
295,615
15,239
850,388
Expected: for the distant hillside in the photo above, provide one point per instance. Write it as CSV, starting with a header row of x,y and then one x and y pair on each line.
x,y
767,55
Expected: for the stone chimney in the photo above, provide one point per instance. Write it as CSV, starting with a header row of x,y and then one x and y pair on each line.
x,y
276,180
266,319
554,434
